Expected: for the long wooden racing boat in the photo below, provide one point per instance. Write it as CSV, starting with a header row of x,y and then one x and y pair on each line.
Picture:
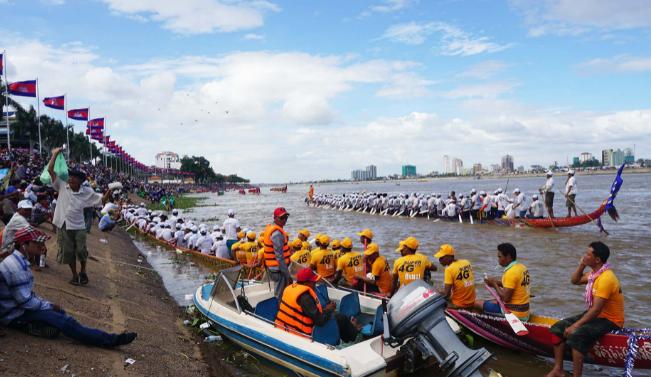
x,y
279,189
557,222
219,263
610,350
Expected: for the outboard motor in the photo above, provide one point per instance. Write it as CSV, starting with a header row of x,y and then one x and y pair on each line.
x,y
415,322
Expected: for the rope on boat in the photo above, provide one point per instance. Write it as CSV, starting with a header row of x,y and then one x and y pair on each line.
x,y
634,337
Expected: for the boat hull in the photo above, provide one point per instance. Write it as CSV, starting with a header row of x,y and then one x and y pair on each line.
x,y
610,350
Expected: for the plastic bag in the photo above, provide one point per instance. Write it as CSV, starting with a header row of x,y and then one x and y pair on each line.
x,y
60,169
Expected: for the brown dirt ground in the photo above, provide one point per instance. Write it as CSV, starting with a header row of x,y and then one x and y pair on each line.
x,y
119,297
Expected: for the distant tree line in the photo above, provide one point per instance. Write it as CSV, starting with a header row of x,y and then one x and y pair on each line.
x,y
204,173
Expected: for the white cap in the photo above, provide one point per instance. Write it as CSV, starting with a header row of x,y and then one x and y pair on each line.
x,y
570,171
175,211
231,212
142,204
25,204
535,196
549,172
194,228
178,225
215,227
516,190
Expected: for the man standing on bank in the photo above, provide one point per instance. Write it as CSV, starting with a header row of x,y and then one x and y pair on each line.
x,y
69,218
277,252
604,313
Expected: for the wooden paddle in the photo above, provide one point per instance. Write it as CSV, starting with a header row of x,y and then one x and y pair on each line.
x,y
512,319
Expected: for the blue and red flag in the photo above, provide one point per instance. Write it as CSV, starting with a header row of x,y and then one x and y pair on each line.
x,y
55,102
78,114
2,62
23,88
97,122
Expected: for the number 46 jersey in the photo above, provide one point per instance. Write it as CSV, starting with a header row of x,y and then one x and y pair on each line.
x,y
459,275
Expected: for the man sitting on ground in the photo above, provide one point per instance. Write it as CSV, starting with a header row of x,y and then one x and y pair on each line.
x,y
22,308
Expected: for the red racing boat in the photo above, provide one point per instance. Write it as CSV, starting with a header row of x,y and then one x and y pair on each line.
x,y
610,350
557,222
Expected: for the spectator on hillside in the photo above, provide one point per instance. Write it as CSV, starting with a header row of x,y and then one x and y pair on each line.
x,y
69,218
21,308
19,220
42,211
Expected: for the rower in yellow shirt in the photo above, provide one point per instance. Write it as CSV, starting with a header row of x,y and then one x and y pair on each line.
x,y
322,259
379,279
335,246
350,265
513,289
250,249
303,235
458,280
300,255
410,266
365,237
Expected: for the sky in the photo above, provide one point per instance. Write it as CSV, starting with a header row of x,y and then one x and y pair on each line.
x,y
280,91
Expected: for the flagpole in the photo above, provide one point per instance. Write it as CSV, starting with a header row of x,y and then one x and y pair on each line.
x,y
4,68
65,112
38,118
90,142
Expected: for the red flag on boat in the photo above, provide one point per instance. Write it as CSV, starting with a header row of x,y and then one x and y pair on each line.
x,y
55,102
78,114
23,88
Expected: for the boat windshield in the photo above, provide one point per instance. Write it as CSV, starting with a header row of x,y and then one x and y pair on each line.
x,y
223,288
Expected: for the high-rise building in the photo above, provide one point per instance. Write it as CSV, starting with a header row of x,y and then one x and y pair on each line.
x,y
585,157
507,163
476,169
408,170
457,166
446,164
607,157
576,161
371,171
629,156
618,157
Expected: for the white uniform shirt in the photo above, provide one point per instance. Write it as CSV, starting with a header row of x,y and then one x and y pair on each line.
x,y
230,226
570,182
167,235
204,243
549,185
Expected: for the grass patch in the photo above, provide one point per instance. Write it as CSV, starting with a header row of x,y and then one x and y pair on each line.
x,y
181,202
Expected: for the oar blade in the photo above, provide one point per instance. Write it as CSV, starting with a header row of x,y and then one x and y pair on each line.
x,y
517,325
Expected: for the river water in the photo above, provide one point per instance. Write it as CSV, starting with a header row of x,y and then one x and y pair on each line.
x,y
550,254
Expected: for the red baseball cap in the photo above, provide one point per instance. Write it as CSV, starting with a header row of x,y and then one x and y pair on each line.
x,y
280,212
306,274
28,234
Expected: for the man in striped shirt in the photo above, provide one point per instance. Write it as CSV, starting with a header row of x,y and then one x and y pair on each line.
x,y
21,308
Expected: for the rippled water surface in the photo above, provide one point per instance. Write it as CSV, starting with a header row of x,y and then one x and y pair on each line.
x,y
550,254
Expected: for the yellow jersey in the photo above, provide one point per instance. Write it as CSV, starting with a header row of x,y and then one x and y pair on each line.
x,y
336,254
459,275
517,278
382,272
324,261
306,245
607,287
411,267
301,257
351,266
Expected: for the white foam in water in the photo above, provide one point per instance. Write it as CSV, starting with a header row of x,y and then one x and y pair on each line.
x,y
189,296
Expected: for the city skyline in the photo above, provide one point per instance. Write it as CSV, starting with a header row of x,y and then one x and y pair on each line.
x,y
321,87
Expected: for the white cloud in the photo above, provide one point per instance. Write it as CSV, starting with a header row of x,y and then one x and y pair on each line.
x,y
484,90
197,16
387,6
617,64
453,40
573,17
53,2
484,70
253,37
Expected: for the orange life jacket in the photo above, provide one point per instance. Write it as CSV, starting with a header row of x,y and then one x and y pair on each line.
x,y
269,255
290,314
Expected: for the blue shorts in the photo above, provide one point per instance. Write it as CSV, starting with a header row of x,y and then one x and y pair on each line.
x,y
492,308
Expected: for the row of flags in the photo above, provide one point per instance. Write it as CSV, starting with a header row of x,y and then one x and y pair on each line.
x,y
95,128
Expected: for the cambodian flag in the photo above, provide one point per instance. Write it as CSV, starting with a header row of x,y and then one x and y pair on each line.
x,y
23,88
97,122
2,61
78,114
55,102
94,131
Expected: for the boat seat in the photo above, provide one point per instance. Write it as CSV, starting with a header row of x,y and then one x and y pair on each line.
x,y
349,305
328,333
375,327
321,291
267,309
205,291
